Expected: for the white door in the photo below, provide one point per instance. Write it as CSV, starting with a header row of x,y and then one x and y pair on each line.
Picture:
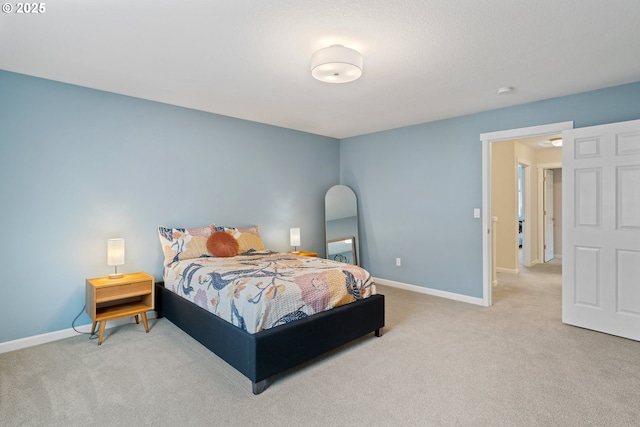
x,y
601,231
548,215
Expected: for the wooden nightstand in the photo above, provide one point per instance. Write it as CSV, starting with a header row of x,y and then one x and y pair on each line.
x,y
305,253
128,296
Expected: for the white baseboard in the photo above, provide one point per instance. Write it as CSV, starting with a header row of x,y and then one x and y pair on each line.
x,y
507,270
429,291
66,333
62,334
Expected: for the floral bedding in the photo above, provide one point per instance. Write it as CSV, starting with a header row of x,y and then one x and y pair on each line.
x,y
262,290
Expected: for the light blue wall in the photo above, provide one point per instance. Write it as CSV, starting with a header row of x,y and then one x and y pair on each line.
x,y
78,166
417,186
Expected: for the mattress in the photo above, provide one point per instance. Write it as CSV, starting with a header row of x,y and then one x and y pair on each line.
x,y
262,290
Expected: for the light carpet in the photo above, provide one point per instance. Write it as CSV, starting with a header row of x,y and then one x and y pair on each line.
x,y
439,362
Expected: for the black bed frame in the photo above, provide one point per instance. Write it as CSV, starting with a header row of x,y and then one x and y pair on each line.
x,y
264,354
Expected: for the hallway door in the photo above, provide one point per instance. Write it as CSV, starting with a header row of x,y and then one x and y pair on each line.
x,y
601,228
548,215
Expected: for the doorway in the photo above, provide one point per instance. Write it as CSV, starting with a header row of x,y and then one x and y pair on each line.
x,y
547,215
550,210
487,140
524,247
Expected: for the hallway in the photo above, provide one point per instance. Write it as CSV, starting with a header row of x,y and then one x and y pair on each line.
x,y
540,285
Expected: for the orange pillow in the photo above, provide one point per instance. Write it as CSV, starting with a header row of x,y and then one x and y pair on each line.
x,y
222,244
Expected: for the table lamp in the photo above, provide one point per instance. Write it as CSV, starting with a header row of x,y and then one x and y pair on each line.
x,y
294,237
115,256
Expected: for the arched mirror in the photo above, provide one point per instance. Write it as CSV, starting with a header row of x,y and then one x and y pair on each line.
x,y
341,222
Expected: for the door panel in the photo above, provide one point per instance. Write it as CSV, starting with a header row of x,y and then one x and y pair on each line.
x,y
601,234
628,273
548,215
629,197
587,197
587,288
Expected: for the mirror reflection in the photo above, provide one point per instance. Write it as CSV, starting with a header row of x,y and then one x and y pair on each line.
x,y
342,249
341,222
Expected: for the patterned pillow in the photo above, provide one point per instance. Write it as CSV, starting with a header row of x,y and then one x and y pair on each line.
x,y
184,243
248,238
222,244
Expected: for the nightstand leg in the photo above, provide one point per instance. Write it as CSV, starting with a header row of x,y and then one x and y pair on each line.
x,y
136,317
101,332
144,321
93,327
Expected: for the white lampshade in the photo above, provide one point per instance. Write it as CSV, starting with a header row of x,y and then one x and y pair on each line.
x,y
294,236
115,255
336,64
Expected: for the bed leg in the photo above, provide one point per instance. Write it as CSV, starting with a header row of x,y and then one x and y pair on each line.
x,y
378,332
259,387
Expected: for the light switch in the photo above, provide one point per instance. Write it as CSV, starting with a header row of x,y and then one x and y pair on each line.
x,y
476,212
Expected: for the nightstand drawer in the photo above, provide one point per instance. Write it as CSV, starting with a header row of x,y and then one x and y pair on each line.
x,y
126,290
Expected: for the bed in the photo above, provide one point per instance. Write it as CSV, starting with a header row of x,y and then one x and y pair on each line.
x,y
256,309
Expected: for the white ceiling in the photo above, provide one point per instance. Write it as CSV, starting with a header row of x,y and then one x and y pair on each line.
x,y
540,142
424,60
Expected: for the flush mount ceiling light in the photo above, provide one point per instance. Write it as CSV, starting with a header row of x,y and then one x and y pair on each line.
x,y
556,142
336,64
505,90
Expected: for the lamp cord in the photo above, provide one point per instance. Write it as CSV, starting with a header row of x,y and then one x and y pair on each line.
x,y
92,336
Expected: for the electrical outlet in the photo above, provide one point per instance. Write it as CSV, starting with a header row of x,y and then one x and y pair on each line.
x,y
398,262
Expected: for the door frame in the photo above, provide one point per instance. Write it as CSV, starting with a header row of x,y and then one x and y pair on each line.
x,y
487,139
